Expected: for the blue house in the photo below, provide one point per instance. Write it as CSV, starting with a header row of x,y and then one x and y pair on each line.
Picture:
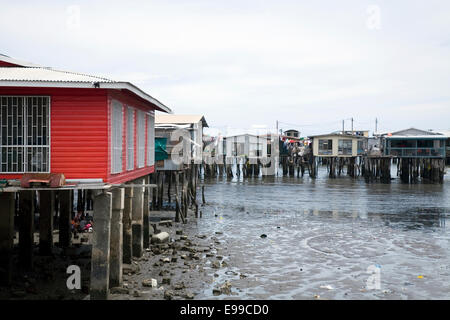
x,y
415,143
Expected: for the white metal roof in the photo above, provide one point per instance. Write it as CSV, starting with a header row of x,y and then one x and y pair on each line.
x,y
45,74
412,132
426,136
47,77
17,62
180,119
336,134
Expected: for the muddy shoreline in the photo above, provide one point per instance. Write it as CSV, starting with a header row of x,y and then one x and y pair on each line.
x,y
185,266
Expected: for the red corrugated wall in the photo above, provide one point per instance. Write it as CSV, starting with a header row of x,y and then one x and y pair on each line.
x,y
128,100
80,132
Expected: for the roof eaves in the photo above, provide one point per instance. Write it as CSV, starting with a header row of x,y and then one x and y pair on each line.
x,y
86,84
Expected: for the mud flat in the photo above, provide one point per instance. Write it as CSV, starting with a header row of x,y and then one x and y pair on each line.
x,y
184,266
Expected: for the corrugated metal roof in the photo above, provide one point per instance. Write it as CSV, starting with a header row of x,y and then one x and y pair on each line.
x,y
179,119
46,74
7,59
335,134
47,77
427,136
412,132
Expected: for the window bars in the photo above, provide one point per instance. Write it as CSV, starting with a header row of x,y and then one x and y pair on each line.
x,y
24,134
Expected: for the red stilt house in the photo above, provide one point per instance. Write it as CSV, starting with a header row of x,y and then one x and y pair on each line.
x,y
90,129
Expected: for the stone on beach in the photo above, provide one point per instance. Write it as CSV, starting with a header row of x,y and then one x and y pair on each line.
x,y
150,283
119,290
165,223
160,237
168,295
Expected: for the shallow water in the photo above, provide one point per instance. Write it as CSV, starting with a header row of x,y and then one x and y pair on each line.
x,y
327,233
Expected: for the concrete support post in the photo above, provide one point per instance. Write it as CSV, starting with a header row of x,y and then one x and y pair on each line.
x,y
146,212
46,211
7,204
138,219
26,228
127,238
101,247
65,215
116,257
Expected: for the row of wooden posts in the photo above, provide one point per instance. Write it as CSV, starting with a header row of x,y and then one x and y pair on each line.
x,y
121,228
244,169
373,169
184,183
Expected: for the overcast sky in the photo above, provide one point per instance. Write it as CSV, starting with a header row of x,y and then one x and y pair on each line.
x,y
243,64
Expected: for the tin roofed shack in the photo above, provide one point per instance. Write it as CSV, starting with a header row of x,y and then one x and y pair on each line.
x,y
168,130
422,154
252,152
338,149
93,133
86,127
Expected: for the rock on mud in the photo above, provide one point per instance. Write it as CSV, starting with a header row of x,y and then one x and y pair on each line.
x,y
119,290
160,237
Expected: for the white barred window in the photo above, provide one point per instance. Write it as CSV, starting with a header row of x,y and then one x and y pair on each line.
x,y
140,139
150,139
116,137
24,134
130,139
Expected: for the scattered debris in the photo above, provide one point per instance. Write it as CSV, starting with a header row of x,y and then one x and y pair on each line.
x,y
136,293
189,296
165,223
168,295
119,290
153,283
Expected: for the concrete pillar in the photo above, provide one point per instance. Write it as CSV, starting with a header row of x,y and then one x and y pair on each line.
x,y
65,216
7,206
126,219
115,269
100,247
138,219
26,228
146,213
46,211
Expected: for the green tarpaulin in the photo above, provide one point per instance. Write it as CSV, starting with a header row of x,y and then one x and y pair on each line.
x,y
160,149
